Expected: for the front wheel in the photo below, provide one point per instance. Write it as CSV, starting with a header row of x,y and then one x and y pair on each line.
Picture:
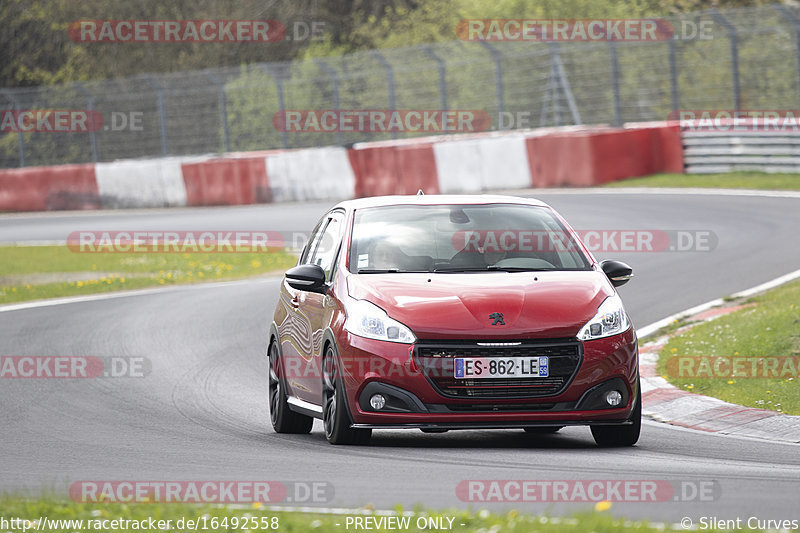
x,y
283,419
616,436
334,408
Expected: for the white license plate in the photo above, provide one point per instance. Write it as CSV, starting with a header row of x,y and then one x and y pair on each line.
x,y
500,367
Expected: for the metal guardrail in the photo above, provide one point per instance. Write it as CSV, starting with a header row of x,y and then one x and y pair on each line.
x,y
738,58
706,152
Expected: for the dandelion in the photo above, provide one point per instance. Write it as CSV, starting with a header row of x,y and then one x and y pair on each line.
x,y
674,350
255,263
256,505
602,506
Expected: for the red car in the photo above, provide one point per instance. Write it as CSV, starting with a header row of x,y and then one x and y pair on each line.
x,y
448,312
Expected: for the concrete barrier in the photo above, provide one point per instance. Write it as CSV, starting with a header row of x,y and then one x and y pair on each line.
x,y
311,174
389,169
482,164
569,156
142,183
49,188
227,181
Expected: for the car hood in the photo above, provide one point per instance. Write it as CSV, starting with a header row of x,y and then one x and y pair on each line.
x,y
459,305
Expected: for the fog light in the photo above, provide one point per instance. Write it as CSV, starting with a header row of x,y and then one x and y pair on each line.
x,y
612,398
377,401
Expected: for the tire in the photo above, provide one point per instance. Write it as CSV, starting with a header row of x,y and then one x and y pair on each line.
x,y
283,419
617,436
335,417
543,430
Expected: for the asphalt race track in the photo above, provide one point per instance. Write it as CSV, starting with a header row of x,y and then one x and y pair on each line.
x,y
202,413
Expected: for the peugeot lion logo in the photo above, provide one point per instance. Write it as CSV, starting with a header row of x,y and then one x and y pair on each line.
x,y
498,319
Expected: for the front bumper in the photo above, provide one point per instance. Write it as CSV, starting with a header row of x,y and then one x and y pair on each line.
x,y
413,401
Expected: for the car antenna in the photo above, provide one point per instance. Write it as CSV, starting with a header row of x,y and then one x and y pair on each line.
x,y
420,193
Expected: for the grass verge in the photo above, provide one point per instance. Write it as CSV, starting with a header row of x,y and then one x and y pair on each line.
x,y
36,272
255,518
749,357
728,180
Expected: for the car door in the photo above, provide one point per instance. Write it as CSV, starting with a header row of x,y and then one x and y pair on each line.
x,y
295,330
312,312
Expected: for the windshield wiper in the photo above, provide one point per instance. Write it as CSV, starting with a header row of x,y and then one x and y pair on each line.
x,y
387,271
491,268
467,269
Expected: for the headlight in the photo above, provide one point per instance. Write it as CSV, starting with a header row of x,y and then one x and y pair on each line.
x,y
368,320
610,319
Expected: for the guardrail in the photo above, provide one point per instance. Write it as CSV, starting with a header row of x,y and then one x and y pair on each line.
x,y
707,152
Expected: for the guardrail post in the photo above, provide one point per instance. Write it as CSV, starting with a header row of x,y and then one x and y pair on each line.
x,y
442,76
223,109
335,83
497,56
162,118
733,38
92,128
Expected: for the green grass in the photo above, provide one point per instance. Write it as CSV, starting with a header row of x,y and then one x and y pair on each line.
x,y
36,272
728,180
208,515
768,328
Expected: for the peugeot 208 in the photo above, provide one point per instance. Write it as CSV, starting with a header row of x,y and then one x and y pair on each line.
x,y
448,312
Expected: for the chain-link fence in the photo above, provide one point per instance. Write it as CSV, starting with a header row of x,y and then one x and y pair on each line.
x,y
736,59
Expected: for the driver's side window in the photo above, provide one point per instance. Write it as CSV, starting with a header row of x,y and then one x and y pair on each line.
x,y
324,244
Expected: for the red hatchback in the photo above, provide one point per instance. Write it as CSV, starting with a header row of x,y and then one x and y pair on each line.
x,y
452,312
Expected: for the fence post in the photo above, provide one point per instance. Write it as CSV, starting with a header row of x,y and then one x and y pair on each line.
x,y
557,68
612,46
92,128
20,137
733,38
389,82
497,56
673,75
335,82
442,76
223,109
162,119
275,75
785,13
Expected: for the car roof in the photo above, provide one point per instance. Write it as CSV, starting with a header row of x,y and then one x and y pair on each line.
x,y
438,199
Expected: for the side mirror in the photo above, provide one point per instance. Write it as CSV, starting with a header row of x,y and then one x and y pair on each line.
x,y
307,278
618,272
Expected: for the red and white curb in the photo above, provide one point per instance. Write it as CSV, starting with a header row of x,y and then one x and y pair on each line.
x,y
664,402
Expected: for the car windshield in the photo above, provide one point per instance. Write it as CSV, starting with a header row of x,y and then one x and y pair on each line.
x,y
462,238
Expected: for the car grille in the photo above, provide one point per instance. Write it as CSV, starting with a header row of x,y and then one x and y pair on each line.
x,y
435,359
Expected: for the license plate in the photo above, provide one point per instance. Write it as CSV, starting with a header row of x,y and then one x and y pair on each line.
x,y
500,367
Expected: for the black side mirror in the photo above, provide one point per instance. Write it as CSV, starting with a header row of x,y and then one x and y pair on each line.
x,y
618,272
307,278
